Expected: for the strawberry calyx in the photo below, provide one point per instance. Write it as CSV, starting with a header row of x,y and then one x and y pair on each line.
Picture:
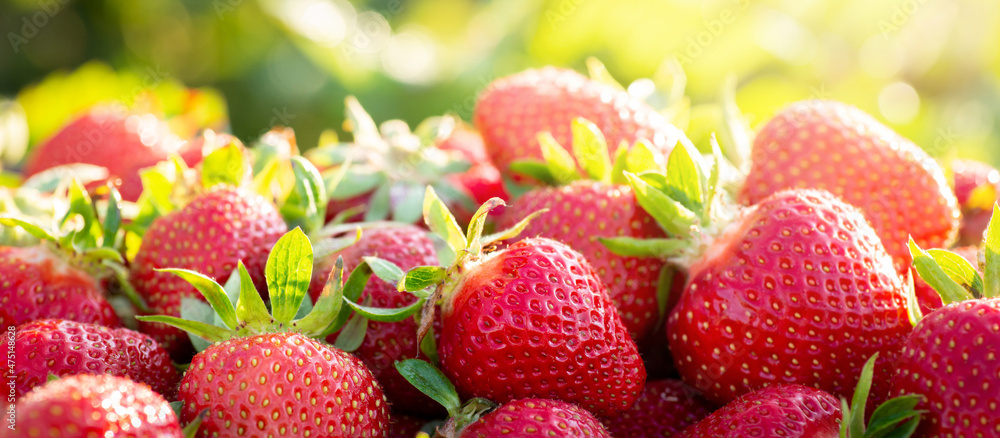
x,y
896,417
953,277
241,312
431,381
391,163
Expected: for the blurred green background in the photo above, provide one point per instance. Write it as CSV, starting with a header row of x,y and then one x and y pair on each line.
x,y
929,68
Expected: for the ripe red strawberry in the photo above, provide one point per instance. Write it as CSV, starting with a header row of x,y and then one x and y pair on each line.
x,y
836,147
282,384
38,284
977,187
264,374
513,110
387,342
208,235
533,417
665,408
94,406
797,289
63,347
121,142
782,410
517,310
581,212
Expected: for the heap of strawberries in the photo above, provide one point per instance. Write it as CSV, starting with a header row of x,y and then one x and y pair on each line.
x,y
569,266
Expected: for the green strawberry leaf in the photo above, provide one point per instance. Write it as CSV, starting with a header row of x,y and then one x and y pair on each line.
x,y
202,330
354,181
383,314
712,187
670,214
353,334
599,73
353,288
936,277
633,247
28,226
213,293
432,382
112,218
385,270
561,164
422,277
442,222
49,180
191,429
537,170
620,164
641,158
960,270
473,243
913,312
306,204
328,304
664,284
428,346
685,177
855,418
379,204
250,308
193,309
591,150
885,421
736,134
225,165
513,231
991,248
409,208
288,273
80,205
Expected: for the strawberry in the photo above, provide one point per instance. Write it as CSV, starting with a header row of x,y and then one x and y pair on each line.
x,y
513,110
40,284
121,142
209,235
781,410
264,374
537,296
533,417
63,347
581,211
94,405
389,165
665,408
839,148
950,358
977,187
386,342
62,275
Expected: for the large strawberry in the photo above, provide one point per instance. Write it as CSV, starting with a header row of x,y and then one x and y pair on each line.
x,y
384,343
512,111
519,309
111,138
537,418
60,347
951,358
838,148
220,223
795,289
665,408
382,172
61,277
264,374
977,187
594,205
94,406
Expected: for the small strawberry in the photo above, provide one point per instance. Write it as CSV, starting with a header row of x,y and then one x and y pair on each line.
x,y
61,347
61,277
795,289
533,417
951,359
385,167
94,406
104,136
665,408
977,187
512,111
537,297
598,204
264,374
222,222
384,343
838,148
